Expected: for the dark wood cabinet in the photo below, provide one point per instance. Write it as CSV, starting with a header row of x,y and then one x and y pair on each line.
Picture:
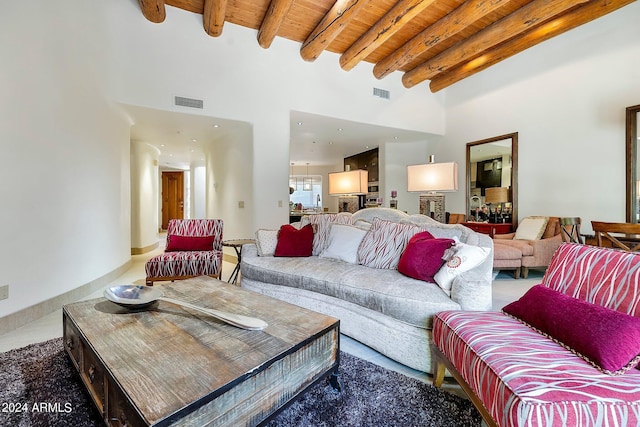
x,y
367,160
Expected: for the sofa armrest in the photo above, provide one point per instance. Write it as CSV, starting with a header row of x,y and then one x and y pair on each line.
x,y
472,290
544,249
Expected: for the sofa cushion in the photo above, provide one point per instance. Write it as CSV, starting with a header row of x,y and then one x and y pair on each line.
x,y
606,338
464,258
531,228
423,256
266,241
384,243
344,241
189,243
522,246
293,242
521,375
385,291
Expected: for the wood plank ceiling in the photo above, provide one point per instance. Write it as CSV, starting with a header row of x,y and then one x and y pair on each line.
x,y
443,41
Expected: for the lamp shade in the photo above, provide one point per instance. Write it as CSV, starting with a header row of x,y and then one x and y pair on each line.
x,y
433,177
349,182
496,195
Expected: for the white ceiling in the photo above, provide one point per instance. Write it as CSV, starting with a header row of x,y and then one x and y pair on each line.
x,y
315,139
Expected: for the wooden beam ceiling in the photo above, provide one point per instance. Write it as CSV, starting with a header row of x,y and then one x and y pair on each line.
x,y
443,41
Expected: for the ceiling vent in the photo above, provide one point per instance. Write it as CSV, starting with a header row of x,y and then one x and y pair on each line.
x,y
381,93
189,102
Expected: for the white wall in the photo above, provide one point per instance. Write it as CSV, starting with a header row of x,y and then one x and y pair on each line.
x,y
64,151
229,183
237,79
144,194
198,190
566,98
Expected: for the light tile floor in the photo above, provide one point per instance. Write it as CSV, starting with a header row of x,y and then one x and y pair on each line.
x,y
505,290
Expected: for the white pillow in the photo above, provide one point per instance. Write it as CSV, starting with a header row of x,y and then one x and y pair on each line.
x,y
266,241
344,241
531,228
465,258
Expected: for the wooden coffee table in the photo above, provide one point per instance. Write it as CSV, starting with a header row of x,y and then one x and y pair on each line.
x,y
170,366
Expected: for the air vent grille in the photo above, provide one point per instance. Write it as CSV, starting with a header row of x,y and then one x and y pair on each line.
x,y
381,93
189,102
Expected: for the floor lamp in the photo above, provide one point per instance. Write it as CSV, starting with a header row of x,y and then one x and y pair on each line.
x,y
432,178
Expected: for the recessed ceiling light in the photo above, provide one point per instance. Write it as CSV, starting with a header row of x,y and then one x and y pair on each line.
x,y
395,137
216,125
194,140
340,129
299,123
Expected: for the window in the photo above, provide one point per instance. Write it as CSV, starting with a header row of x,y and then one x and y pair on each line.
x,y
311,198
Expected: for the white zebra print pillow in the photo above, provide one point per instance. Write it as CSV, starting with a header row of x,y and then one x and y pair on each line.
x,y
384,243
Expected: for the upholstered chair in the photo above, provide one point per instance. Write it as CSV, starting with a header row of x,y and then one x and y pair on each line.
x,y
538,249
194,248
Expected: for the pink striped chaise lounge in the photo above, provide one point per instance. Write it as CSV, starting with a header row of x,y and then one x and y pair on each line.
x,y
518,375
194,248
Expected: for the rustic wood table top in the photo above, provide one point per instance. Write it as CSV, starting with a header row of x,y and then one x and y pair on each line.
x,y
168,359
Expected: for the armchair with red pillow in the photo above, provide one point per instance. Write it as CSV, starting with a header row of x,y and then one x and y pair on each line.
x,y
194,248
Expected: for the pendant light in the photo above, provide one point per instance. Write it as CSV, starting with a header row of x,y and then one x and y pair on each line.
x,y
306,182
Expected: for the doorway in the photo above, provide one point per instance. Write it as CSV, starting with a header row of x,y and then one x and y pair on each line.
x,y
172,197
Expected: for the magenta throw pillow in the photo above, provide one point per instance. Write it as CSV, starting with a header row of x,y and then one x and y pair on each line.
x,y
423,256
293,242
606,338
177,243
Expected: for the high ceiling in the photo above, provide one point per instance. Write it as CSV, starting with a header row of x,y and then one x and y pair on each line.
x,y
319,140
440,41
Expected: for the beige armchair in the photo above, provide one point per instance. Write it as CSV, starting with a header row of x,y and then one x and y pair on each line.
x,y
536,253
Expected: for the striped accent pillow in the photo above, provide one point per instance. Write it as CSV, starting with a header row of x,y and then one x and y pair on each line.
x,y
384,243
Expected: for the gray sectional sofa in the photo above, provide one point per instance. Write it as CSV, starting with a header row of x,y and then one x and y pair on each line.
x,y
381,308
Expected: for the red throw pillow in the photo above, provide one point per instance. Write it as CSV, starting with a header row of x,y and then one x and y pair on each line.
x,y
608,339
423,256
293,242
177,243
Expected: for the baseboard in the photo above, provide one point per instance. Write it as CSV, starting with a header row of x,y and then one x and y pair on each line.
x,y
140,251
20,318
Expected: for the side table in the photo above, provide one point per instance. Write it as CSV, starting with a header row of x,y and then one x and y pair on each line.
x,y
489,228
237,246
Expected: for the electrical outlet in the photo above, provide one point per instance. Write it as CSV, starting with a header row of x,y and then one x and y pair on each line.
x,y
4,292
279,203
241,204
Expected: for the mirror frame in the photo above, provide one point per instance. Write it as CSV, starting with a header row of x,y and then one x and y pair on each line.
x,y
631,161
514,173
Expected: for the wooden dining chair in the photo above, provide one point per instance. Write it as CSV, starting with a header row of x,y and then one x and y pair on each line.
x,y
620,235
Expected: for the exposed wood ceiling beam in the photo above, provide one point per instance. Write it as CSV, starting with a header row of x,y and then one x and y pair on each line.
x,y
388,25
338,17
519,22
272,21
153,10
573,19
450,25
213,16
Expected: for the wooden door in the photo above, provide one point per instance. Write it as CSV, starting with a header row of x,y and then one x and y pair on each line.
x,y
172,197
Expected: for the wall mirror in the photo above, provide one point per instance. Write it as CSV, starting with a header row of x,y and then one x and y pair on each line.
x,y
492,178
633,177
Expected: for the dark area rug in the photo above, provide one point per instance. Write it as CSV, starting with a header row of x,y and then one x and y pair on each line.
x,y
39,387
